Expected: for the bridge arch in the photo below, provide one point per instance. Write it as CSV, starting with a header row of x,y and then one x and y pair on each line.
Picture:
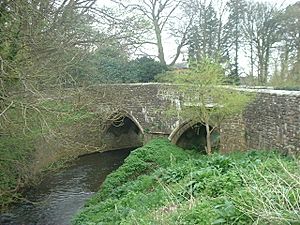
x,y
192,135
122,130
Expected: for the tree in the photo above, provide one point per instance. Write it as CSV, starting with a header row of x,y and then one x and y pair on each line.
x,y
156,15
144,69
261,31
41,40
203,36
205,99
234,31
108,63
248,30
41,45
207,37
289,46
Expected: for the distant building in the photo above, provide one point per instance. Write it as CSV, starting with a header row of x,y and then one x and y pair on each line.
x,y
181,66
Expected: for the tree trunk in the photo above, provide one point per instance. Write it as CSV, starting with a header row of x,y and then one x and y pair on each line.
x,y
160,48
208,141
266,62
251,52
298,49
284,63
236,55
260,68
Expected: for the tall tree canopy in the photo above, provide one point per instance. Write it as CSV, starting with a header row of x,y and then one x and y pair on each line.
x,y
159,17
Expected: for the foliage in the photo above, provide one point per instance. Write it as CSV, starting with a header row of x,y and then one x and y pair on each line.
x,y
142,69
207,101
151,19
285,83
277,201
204,36
40,42
111,64
288,73
17,145
268,34
106,64
234,31
261,27
47,45
145,69
162,184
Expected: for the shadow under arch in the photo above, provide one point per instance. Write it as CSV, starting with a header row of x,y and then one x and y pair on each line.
x,y
122,130
192,135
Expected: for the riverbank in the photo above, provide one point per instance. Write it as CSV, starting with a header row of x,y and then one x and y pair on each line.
x,y
37,139
57,198
160,183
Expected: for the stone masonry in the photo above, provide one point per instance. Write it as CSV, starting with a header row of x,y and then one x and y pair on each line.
x,y
271,121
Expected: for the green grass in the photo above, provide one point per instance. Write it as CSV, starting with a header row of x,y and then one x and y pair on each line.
x,y
17,146
160,183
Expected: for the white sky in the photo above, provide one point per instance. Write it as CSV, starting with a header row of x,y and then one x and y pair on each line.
x,y
285,2
169,43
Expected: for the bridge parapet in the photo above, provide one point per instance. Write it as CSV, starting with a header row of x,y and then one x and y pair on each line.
x,y
271,121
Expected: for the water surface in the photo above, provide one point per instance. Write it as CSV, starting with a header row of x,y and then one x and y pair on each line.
x,y
60,195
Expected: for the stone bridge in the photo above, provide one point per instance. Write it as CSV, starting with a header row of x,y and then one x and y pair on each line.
x,y
135,113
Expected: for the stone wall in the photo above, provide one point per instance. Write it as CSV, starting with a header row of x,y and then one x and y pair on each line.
x,y
272,121
147,103
144,104
232,135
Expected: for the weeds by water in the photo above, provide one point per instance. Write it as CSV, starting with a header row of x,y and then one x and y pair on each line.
x,y
162,184
18,141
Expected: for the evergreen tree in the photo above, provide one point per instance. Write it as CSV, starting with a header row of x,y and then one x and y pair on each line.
x,y
203,41
237,9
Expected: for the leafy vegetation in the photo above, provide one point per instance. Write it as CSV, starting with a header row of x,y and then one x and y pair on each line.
x,y
206,100
18,145
252,38
54,44
162,184
112,65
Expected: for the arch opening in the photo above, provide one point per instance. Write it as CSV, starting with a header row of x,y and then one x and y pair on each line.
x,y
122,131
193,136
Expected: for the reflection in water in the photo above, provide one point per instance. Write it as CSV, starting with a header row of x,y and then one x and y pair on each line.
x,y
59,196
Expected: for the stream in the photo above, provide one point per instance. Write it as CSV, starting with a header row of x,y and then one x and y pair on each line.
x,y
60,195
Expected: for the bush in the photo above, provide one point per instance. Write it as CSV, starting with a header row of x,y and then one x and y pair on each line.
x,y
160,183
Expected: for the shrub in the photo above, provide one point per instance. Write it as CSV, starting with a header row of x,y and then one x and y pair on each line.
x,y
160,183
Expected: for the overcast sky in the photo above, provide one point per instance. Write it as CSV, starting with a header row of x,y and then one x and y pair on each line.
x,y
279,2
169,44
286,2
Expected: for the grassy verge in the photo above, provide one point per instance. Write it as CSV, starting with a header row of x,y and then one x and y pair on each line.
x,y
20,131
162,184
